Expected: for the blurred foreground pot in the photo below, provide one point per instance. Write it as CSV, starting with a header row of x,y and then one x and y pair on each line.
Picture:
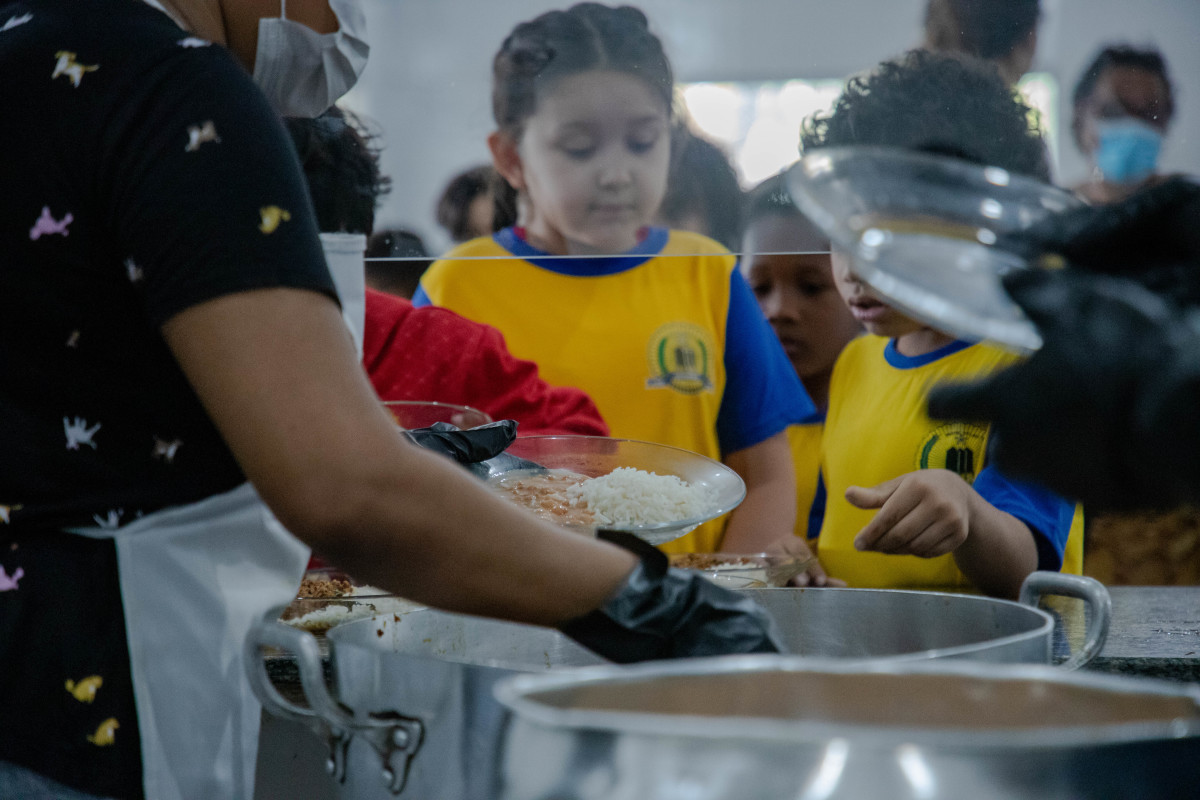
x,y
804,729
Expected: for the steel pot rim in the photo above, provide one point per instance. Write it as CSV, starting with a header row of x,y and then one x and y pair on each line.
x,y
513,693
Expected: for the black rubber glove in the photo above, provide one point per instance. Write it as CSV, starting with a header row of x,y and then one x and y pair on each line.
x,y
466,446
1152,237
662,612
1106,411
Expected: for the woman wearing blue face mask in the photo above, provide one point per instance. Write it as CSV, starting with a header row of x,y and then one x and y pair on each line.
x,y
1123,107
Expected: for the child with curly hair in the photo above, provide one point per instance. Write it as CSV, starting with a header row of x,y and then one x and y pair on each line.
x,y
911,502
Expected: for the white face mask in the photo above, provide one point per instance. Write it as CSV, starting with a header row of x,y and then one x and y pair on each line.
x,y
303,72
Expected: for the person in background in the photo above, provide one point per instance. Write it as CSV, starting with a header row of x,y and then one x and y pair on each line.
x,y
468,208
184,414
786,261
703,192
1002,32
396,260
954,521
1123,106
426,354
670,344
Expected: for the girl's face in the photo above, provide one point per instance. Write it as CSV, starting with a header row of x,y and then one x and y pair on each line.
x,y
876,317
797,293
592,163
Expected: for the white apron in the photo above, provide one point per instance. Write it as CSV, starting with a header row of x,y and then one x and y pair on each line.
x,y
193,580
344,256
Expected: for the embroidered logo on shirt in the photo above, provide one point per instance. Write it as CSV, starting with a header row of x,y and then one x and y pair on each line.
x,y
79,433
67,65
679,356
6,513
133,271
272,217
47,225
199,134
85,690
193,41
956,446
105,735
8,583
15,21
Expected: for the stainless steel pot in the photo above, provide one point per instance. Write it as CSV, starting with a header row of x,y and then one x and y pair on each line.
x,y
413,703
808,729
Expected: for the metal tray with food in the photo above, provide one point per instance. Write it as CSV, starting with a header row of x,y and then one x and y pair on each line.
x,y
328,597
756,570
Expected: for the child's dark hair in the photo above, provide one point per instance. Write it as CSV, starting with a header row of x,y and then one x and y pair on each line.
x,y
703,181
1121,55
939,103
341,165
988,29
558,44
453,207
771,198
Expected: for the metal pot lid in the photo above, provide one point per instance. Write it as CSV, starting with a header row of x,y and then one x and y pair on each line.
x,y
930,235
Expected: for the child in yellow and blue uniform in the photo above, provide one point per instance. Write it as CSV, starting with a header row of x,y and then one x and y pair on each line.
x,y
657,326
786,261
911,502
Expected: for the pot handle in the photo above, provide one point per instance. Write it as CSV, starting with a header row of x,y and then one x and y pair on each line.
x,y
396,738
269,632
1044,583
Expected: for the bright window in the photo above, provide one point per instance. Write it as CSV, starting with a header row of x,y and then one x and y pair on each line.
x,y
758,123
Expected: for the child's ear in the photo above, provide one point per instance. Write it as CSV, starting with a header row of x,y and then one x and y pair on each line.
x,y
506,159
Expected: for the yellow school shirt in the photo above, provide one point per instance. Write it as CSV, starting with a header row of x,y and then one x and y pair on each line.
x,y
805,443
877,429
644,333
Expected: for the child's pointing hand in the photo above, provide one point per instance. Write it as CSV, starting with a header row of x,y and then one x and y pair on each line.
x,y
926,513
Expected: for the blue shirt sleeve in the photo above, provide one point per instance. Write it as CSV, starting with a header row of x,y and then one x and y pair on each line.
x,y
762,396
419,297
1047,515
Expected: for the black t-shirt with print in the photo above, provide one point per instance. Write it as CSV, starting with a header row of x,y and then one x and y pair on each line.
x,y
142,173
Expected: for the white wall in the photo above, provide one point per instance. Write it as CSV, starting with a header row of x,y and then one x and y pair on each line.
x,y
427,83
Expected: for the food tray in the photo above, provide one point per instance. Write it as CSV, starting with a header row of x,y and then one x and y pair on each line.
x,y
742,570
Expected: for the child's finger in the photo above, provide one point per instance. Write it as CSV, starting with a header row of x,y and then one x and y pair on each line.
x,y
898,539
934,541
897,507
874,496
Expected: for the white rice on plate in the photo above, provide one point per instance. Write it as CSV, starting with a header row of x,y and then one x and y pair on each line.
x,y
633,497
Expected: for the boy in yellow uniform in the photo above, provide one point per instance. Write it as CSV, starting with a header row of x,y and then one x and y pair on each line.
x,y
910,501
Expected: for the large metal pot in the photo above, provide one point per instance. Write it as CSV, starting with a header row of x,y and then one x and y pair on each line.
x,y
784,727
414,690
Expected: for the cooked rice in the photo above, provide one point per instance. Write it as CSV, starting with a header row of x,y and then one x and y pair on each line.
x,y
633,497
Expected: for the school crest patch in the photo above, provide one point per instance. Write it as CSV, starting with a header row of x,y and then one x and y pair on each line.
x,y
956,446
680,356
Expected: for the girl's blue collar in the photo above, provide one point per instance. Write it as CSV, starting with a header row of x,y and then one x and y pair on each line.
x,y
900,361
648,248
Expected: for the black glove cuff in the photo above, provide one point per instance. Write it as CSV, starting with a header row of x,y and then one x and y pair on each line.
x,y
466,446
